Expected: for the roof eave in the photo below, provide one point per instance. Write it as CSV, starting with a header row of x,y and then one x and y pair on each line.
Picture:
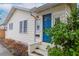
x,y
45,6
12,11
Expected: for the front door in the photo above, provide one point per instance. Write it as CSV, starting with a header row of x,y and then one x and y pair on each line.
x,y
46,25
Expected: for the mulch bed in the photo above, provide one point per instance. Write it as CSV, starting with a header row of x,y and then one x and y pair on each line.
x,y
16,48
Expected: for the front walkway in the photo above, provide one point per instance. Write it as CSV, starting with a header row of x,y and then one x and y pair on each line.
x,y
4,51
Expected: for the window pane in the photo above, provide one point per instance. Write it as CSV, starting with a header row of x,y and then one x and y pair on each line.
x,y
25,25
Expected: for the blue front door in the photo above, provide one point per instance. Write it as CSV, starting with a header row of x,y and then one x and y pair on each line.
x,y
46,25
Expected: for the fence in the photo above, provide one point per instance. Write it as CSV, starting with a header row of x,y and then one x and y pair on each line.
x,y
2,33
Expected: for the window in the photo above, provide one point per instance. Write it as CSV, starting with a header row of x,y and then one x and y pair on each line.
x,y
37,24
57,20
11,26
23,26
38,27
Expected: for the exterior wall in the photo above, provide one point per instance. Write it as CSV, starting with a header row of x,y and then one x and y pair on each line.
x,y
61,10
14,34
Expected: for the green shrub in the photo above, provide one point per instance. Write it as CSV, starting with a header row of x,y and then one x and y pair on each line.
x,y
66,35
55,52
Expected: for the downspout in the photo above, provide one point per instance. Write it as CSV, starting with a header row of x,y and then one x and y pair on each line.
x,y
35,26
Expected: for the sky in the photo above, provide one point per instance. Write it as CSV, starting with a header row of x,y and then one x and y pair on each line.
x,y
5,8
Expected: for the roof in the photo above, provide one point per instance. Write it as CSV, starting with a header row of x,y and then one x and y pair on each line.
x,y
36,10
43,7
49,5
12,12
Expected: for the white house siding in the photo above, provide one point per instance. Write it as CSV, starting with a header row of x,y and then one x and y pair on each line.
x,y
60,10
14,34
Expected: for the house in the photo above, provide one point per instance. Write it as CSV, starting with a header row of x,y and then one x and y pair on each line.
x,y
20,25
27,25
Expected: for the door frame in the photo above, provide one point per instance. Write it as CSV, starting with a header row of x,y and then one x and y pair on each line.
x,y
43,22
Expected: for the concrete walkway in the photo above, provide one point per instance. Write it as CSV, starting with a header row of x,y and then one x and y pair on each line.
x,y
4,51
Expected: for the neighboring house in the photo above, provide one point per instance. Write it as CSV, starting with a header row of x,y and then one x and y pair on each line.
x,y
2,26
27,25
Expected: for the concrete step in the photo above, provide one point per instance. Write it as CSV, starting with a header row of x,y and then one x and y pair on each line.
x,y
33,54
38,52
44,46
39,49
41,52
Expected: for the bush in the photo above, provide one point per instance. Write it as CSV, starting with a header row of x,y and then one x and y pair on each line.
x,y
17,48
55,52
66,35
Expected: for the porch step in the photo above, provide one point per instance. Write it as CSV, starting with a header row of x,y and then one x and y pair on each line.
x,y
37,53
34,54
44,46
40,51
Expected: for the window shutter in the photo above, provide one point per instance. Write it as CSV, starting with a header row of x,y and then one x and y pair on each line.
x,y
11,25
20,26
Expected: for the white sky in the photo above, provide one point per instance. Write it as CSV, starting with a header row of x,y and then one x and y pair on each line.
x,y
6,7
26,5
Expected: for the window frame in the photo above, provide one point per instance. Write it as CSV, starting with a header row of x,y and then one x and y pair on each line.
x,y
23,26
